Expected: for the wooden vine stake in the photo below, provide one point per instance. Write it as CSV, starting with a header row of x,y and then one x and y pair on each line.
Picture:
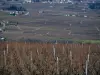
x,y
70,57
63,49
57,66
7,48
4,57
54,52
87,62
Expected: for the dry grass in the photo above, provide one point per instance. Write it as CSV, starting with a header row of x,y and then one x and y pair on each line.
x,y
20,58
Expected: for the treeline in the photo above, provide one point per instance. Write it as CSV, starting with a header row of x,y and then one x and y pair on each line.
x,y
43,0
94,5
15,8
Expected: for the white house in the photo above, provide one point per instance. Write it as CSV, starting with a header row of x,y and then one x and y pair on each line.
x,y
28,1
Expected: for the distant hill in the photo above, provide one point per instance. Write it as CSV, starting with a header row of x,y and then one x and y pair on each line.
x,y
49,0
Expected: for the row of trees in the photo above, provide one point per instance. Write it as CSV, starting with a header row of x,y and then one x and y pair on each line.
x,y
44,0
94,5
16,8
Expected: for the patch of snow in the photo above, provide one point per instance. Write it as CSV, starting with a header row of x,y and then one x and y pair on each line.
x,y
27,13
85,15
2,38
73,15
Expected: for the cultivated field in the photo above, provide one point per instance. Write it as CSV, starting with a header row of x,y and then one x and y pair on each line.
x,y
54,22
17,58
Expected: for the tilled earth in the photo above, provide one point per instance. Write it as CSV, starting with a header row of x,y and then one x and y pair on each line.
x,y
54,22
